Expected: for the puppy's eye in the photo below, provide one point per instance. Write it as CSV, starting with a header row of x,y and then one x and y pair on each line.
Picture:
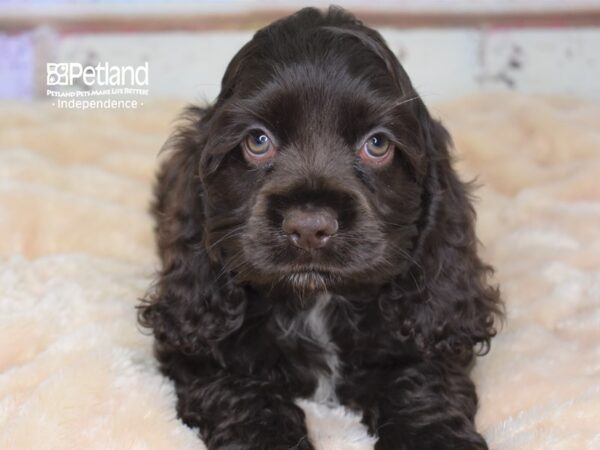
x,y
258,146
377,149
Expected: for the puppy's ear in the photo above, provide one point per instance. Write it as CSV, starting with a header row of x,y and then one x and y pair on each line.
x,y
451,306
191,306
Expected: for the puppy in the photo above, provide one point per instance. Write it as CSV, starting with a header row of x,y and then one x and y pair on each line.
x,y
317,243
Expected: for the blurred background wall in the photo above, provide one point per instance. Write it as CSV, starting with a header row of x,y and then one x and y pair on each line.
x,y
449,47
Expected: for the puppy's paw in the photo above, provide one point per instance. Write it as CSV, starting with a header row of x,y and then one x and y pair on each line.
x,y
303,444
431,442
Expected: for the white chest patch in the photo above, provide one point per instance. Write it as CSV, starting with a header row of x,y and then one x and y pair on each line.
x,y
312,325
317,327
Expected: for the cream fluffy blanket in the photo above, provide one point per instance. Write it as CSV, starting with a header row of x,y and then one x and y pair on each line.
x,y
76,252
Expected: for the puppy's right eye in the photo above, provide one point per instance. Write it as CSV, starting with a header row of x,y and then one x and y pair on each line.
x,y
258,146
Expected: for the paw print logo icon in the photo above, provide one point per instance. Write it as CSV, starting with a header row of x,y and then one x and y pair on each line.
x,y
57,74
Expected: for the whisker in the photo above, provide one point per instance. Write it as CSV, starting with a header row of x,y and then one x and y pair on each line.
x,y
230,267
229,235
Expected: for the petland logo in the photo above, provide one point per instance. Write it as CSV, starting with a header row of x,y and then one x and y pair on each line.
x,y
66,74
75,80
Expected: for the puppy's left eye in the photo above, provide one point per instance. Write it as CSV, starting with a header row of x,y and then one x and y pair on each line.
x,y
377,149
258,146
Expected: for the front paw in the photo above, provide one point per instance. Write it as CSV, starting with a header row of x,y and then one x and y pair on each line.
x,y
302,444
406,440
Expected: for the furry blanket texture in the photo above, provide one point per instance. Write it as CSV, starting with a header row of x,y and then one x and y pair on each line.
x,y
77,251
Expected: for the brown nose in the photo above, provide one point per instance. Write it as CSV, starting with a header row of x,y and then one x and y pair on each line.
x,y
309,230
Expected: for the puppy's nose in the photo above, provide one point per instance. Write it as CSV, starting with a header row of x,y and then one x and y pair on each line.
x,y
311,229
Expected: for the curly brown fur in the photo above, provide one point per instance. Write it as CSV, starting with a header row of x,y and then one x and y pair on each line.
x,y
386,318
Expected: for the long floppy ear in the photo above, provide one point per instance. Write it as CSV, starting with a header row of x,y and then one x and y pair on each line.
x,y
448,305
192,305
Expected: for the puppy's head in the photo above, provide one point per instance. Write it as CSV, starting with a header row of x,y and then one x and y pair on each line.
x,y
315,156
318,167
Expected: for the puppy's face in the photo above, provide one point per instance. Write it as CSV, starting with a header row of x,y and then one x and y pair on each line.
x,y
314,164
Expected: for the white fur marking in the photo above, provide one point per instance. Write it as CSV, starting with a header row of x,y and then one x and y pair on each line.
x,y
316,325
311,325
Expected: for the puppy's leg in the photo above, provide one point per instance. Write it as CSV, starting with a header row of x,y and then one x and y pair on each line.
x,y
242,413
426,406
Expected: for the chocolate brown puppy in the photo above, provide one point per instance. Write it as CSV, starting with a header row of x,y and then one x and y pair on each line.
x,y
317,243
